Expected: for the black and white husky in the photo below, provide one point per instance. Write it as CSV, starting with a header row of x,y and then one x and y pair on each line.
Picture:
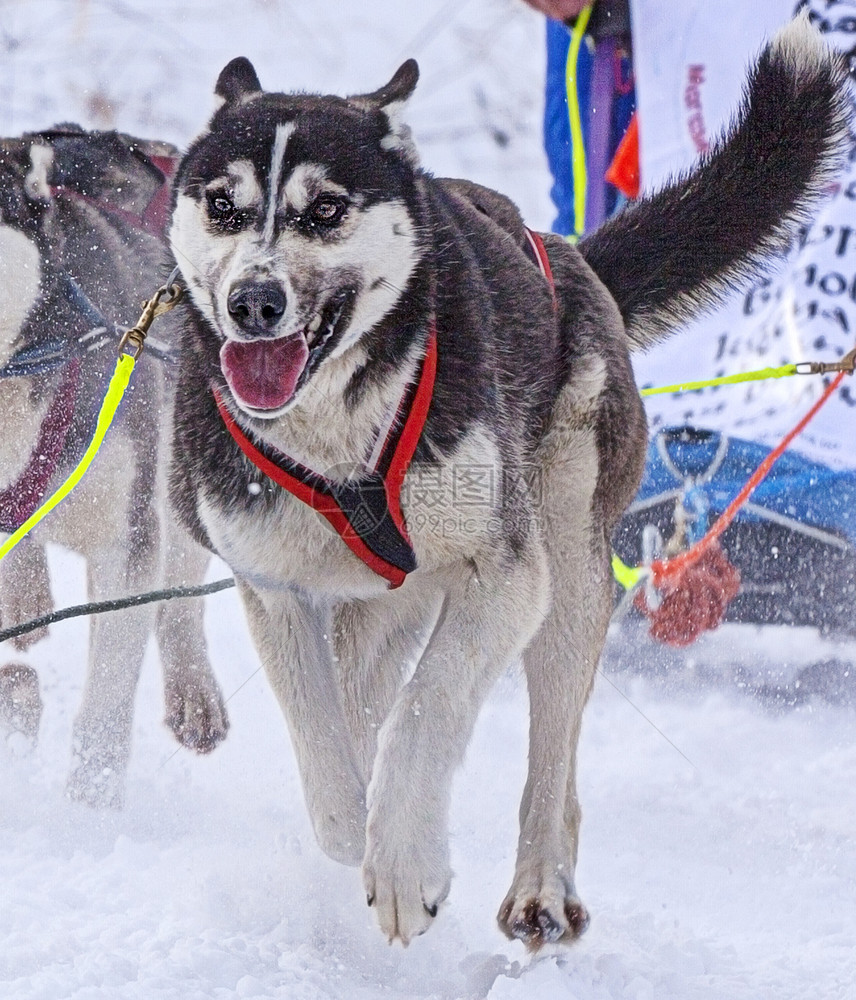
x,y
409,426
77,254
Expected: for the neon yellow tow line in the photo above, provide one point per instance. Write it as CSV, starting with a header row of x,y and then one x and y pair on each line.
x,y
115,392
578,153
761,373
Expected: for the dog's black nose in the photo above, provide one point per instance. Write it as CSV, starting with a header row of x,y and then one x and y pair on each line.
x,y
257,306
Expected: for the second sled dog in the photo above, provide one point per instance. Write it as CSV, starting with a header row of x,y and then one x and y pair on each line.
x,y
76,257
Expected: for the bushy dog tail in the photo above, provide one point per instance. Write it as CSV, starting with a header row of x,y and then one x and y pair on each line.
x,y
671,256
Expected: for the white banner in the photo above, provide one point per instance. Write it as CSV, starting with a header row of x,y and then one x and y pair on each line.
x,y
691,60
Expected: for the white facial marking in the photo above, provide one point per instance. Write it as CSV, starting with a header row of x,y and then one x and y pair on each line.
x,y
244,185
200,258
383,248
20,275
36,182
283,134
304,184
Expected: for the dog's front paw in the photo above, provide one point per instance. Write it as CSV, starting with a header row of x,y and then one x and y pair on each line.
x,y
550,914
196,714
405,882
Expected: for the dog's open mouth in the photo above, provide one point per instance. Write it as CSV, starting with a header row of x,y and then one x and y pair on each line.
x,y
264,374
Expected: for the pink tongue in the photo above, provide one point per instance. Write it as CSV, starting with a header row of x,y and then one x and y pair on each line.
x,y
263,373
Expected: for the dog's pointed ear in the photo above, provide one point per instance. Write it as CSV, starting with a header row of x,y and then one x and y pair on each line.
x,y
391,100
237,81
399,88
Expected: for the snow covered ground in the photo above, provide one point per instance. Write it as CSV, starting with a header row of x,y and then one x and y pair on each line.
x,y
717,851
717,848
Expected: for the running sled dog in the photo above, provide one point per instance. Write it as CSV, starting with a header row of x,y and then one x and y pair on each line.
x,y
78,252
409,426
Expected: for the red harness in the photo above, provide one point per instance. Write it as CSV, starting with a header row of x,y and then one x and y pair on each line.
x,y
538,252
366,512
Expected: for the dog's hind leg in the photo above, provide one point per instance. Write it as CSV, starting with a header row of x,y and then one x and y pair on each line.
x,y
102,728
294,640
195,711
542,904
377,643
123,549
25,590
492,608
25,593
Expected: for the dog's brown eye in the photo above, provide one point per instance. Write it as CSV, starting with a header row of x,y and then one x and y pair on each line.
x,y
224,214
219,204
327,210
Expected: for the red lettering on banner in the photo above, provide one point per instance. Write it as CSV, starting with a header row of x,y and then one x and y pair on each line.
x,y
692,102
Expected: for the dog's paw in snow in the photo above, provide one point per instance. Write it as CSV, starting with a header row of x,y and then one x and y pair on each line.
x,y
196,714
405,883
551,914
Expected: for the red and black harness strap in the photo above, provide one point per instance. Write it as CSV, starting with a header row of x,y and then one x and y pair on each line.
x,y
537,252
365,511
20,499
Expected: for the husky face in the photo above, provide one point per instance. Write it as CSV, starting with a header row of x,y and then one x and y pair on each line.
x,y
295,229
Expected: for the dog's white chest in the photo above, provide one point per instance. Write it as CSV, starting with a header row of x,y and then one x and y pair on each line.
x,y
288,544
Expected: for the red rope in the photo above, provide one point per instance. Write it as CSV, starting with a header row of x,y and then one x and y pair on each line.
x,y
666,571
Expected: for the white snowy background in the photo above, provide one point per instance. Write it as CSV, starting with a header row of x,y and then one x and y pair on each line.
x,y
717,851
